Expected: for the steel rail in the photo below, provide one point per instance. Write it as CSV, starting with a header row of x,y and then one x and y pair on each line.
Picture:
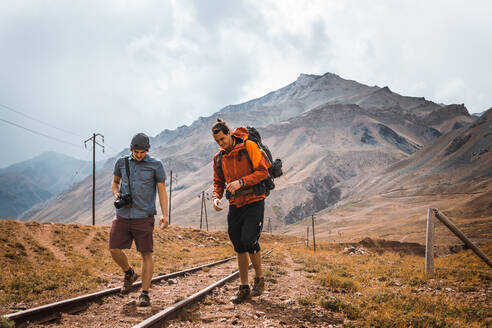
x,y
53,310
156,319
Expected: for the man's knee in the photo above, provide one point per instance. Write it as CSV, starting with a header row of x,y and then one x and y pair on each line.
x,y
115,251
253,248
146,256
239,246
247,246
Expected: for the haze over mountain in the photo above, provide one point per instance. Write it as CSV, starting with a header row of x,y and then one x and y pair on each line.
x,y
326,130
27,183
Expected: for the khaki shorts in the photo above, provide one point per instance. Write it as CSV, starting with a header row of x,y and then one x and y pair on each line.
x,y
124,231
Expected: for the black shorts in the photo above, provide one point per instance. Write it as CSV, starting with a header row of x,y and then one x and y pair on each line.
x,y
244,226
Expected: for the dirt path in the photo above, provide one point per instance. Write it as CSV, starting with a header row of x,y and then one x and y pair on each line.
x,y
279,305
43,238
122,310
82,247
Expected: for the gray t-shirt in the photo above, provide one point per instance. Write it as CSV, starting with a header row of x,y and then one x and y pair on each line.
x,y
144,176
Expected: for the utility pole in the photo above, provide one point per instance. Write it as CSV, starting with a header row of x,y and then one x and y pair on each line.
x,y
170,196
307,236
314,238
170,193
201,211
94,143
203,208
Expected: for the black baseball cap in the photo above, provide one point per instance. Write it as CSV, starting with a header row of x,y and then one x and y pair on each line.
x,y
140,141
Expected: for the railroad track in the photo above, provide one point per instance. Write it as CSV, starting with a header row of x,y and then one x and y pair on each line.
x,y
158,319
52,311
109,308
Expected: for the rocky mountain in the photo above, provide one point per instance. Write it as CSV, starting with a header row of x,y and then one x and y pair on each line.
x,y
326,130
479,114
25,184
454,174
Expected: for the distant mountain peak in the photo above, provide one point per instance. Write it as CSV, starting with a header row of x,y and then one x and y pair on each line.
x,y
459,108
385,89
306,79
331,75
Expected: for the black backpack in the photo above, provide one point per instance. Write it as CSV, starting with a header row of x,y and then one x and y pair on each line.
x,y
274,171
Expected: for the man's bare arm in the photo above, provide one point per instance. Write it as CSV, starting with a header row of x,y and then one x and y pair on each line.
x,y
115,186
161,190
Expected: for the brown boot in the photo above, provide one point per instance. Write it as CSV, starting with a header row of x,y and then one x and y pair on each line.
x,y
130,278
258,286
144,299
242,294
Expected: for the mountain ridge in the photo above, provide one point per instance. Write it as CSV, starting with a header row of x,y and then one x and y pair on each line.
x,y
347,135
24,184
454,173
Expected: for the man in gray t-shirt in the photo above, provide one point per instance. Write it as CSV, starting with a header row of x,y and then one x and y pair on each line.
x,y
135,195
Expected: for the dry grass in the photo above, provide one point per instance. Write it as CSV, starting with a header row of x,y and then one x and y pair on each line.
x,y
392,290
46,262
276,267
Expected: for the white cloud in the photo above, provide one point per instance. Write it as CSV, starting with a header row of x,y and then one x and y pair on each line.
x,y
119,67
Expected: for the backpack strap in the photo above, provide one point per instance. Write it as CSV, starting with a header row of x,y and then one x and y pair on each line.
x,y
218,164
245,153
254,135
127,169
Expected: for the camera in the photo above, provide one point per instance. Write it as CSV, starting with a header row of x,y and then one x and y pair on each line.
x,y
125,200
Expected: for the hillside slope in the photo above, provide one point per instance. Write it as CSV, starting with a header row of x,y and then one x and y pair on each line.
x,y
25,184
454,174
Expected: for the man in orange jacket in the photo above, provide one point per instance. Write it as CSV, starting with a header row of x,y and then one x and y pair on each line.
x,y
241,166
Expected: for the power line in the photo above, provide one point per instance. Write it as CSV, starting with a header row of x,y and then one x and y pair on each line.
x,y
41,134
39,121
72,181
45,123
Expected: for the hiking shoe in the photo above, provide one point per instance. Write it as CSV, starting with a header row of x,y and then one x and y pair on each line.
x,y
258,286
242,294
130,278
144,299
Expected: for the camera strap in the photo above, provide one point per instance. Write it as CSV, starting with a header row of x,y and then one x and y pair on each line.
x,y
127,169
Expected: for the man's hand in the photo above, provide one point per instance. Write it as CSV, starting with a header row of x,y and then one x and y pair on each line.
x,y
163,222
116,196
233,186
217,204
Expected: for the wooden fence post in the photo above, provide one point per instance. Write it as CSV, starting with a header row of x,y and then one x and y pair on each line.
x,y
447,222
429,245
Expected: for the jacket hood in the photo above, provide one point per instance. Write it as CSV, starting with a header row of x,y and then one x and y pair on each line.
x,y
241,133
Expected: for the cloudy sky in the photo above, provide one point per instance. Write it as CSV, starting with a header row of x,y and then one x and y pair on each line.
x,y
71,68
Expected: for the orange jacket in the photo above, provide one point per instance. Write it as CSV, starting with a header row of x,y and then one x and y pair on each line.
x,y
235,166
